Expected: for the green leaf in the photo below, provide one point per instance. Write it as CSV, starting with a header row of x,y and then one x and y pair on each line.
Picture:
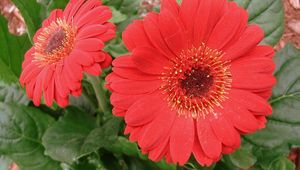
x,y
242,158
12,52
283,164
76,134
57,4
283,126
21,130
117,16
12,93
33,14
269,15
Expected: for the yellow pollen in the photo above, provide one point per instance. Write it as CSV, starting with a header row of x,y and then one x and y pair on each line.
x,y
196,82
54,42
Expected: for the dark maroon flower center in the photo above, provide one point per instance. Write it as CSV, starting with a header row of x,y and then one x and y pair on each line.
x,y
197,82
55,41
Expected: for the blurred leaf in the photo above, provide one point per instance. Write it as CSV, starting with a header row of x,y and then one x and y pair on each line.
x,y
265,156
33,14
12,93
12,52
283,126
77,134
269,14
283,164
21,130
116,47
117,16
57,4
242,158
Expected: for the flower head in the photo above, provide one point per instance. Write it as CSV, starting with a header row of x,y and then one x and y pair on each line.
x,y
195,79
69,43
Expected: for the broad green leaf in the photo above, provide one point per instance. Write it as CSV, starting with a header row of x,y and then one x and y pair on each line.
x,y
12,93
76,134
242,158
33,14
283,126
265,157
283,164
269,15
12,52
21,130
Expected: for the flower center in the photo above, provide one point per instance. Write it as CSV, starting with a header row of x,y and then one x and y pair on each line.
x,y
54,43
196,81
55,40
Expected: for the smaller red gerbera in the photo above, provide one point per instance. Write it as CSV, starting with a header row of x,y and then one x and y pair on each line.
x,y
69,43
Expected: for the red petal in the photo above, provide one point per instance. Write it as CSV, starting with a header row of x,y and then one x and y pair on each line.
x,y
135,35
255,65
107,61
251,101
123,101
98,15
199,155
252,81
148,60
188,14
57,13
49,93
72,9
172,31
82,57
248,40
158,129
208,140
91,44
124,61
240,117
208,14
151,26
170,5
94,70
223,33
140,112
224,130
182,139
133,74
135,87
91,31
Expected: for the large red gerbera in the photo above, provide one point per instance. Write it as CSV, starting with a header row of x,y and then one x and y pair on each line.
x,y
195,80
69,43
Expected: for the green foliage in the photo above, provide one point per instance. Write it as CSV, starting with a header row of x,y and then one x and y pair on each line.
x,y
13,49
269,15
76,134
21,130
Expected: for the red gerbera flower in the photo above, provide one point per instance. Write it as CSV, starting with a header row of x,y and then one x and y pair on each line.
x,y
195,80
69,43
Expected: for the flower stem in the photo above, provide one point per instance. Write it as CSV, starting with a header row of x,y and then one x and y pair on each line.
x,y
99,92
